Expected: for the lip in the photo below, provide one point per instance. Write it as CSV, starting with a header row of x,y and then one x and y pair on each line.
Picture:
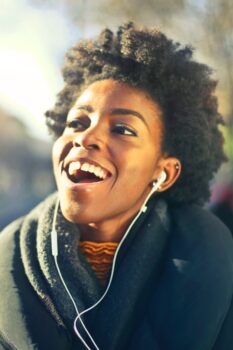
x,y
67,182
68,160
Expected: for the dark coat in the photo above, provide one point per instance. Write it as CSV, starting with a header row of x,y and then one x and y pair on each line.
x,y
172,287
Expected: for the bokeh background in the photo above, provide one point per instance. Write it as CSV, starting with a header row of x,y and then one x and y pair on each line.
x,y
34,35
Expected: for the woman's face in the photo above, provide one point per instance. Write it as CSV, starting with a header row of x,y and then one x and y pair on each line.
x,y
109,153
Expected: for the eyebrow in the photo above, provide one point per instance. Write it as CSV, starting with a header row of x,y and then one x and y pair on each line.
x,y
115,111
84,108
125,111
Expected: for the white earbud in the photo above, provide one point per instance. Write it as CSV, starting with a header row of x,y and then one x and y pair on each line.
x,y
157,183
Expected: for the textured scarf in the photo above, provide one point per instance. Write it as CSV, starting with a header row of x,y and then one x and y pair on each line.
x,y
35,245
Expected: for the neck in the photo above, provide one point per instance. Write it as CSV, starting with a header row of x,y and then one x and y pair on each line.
x,y
102,232
111,230
107,231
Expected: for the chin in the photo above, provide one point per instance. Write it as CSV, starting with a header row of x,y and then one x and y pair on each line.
x,y
77,215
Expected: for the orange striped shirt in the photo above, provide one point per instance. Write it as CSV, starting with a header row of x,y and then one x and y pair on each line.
x,y
100,257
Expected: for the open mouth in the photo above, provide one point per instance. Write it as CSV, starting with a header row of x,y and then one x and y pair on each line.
x,y
85,172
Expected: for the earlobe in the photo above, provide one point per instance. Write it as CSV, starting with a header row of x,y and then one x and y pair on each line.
x,y
171,168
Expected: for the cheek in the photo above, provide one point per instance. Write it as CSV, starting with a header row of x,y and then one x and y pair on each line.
x,y
56,151
58,154
137,168
60,149
136,179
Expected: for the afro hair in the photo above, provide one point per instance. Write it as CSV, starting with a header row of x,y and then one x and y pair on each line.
x,y
146,59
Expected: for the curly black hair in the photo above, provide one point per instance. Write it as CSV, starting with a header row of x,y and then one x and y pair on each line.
x,y
147,59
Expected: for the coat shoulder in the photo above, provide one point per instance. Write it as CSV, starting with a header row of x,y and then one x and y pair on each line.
x,y
198,230
196,286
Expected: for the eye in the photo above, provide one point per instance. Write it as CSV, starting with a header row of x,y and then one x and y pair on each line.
x,y
79,124
122,129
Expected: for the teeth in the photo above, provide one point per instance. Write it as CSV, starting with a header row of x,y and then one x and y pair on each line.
x,y
91,168
85,167
99,172
73,167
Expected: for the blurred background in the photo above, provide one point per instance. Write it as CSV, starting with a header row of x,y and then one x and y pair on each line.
x,y
34,35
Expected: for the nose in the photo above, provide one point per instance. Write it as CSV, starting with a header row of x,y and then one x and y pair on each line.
x,y
91,138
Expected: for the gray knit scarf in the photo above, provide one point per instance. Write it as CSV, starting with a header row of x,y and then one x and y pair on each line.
x,y
35,245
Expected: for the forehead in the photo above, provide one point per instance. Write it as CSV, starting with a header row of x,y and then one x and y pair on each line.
x,y
110,94
110,88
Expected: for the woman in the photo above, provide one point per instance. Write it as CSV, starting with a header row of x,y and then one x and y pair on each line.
x,y
135,262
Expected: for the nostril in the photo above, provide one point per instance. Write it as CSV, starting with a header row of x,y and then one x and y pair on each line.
x,y
87,140
75,143
87,146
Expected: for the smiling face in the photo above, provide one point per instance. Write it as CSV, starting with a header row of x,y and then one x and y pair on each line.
x,y
109,153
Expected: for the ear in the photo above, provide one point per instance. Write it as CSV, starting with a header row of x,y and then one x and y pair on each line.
x,y
172,168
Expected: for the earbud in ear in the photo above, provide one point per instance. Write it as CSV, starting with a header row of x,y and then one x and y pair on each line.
x,y
162,177
155,186
158,182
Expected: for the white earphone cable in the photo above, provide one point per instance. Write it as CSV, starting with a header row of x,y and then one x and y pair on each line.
x,y
142,210
54,242
55,254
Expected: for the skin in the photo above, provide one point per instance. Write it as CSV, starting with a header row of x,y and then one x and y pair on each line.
x,y
119,128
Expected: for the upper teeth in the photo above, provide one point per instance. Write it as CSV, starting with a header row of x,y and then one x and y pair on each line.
x,y
96,170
